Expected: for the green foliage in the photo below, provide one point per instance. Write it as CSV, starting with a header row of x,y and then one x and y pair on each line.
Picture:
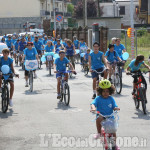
x,y
141,32
70,8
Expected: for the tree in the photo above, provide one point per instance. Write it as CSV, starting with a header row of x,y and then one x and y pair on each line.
x,y
70,8
91,9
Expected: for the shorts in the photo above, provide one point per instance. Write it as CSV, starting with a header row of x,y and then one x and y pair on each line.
x,y
58,75
27,72
10,79
95,75
39,52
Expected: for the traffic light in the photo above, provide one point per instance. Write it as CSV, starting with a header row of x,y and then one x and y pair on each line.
x,y
129,32
54,34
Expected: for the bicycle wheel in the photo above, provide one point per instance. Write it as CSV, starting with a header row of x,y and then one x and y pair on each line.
x,y
31,81
136,101
70,73
142,98
5,99
120,71
118,83
86,70
66,94
49,63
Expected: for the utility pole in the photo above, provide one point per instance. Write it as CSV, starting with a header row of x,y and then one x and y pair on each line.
x,y
131,14
84,13
54,17
98,9
63,12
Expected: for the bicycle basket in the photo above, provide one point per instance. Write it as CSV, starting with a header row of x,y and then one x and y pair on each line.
x,y
49,58
110,125
31,64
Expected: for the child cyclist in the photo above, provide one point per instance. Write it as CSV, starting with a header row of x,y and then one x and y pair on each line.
x,y
97,62
6,60
135,67
104,103
60,65
86,57
110,55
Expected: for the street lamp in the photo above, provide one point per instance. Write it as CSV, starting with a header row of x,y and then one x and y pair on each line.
x,y
114,3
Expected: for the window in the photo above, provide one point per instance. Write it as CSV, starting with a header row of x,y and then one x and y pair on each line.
x,y
122,10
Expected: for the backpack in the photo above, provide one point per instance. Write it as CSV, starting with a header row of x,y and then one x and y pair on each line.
x,y
113,52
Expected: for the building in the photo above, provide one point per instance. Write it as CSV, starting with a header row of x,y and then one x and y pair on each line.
x,y
120,8
21,15
144,11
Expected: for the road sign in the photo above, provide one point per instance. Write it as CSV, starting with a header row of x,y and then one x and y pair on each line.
x,y
59,18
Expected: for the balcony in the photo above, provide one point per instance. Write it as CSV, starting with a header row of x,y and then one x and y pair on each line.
x,y
44,13
66,14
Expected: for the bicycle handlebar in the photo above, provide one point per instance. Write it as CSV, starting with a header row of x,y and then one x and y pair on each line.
x,y
137,73
99,72
68,71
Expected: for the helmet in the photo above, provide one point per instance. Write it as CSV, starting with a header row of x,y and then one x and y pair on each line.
x,y
104,84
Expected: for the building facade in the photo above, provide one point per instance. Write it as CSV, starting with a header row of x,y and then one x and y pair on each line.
x,y
21,15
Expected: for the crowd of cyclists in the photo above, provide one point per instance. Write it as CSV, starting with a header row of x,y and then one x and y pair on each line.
x,y
33,47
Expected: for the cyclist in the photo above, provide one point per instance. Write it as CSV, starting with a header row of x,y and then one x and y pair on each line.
x,y
9,43
21,46
49,48
110,55
3,40
14,40
70,52
16,44
58,46
29,39
86,57
38,45
75,42
96,62
60,65
65,42
105,104
30,53
135,67
82,43
5,60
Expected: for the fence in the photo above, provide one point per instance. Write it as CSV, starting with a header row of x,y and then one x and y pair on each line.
x,y
141,41
82,33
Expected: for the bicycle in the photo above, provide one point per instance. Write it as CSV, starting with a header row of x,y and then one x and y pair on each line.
x,y
85,67
65,90
5,91
49,58
109,126
31,65
140,93
17,58
116,77
119,67
99,76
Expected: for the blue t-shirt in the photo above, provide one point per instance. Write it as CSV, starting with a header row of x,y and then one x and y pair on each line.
x,y
61,65
54,42
49,49
65,44
22,45
119,49
9,43
111,56
45,42
76,43
13,41
8,62
133,67
104,105
96,60
57,48
16,45
41,40
82,44
87,56
30,54
69,50
38,45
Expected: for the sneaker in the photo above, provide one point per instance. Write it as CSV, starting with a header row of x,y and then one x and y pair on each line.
x,y
58,96
0,90
94,95
26,84
10,103
97,136
35,76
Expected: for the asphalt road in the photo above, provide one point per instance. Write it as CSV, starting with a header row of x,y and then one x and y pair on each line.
x,y
38,121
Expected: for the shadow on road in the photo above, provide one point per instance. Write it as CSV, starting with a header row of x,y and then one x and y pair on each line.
x,y
47,75
120,95
9,113
62,106
126,86
27,92
141,115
